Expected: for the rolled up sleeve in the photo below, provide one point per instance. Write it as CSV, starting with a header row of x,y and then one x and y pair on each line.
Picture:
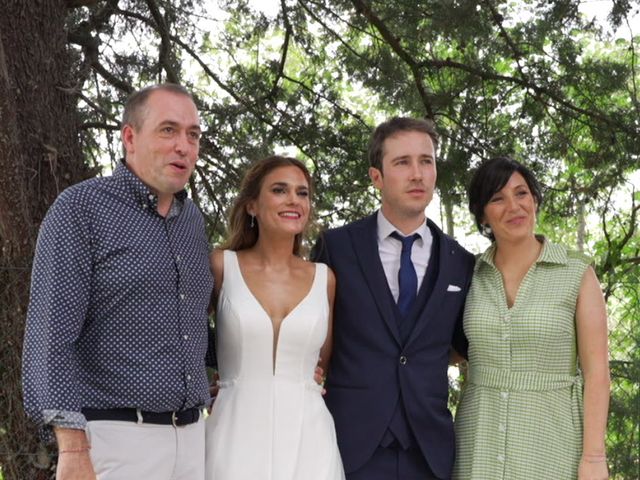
x,y
59,298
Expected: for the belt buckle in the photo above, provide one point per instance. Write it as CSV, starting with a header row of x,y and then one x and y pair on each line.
x,y
174,419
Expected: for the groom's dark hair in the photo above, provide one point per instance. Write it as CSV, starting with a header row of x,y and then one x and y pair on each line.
x,y
393,126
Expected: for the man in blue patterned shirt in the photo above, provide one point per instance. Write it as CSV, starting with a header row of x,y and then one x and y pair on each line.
x,y
117,335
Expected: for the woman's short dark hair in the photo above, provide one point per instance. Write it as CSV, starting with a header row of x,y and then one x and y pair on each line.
x,y
490,178
241,231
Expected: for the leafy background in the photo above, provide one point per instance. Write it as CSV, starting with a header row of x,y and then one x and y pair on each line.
x,y
538,80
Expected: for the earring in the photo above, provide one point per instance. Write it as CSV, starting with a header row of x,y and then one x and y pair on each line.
x,y
252,221
486,230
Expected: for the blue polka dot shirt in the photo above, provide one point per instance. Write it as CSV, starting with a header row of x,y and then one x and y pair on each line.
x,y
118,309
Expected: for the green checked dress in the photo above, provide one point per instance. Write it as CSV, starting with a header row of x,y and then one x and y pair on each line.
x,y
520,416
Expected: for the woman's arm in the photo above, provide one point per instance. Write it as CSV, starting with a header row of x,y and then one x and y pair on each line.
x,y
325,351
591,324
216,261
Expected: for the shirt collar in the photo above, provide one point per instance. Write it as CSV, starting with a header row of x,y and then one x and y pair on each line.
x,y
141,193
386,228
551,253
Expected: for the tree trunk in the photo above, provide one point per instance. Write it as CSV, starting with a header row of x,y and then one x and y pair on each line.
x,y
40,155
446,203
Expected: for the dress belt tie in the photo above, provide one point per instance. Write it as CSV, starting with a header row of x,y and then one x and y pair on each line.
x,y
309,385
522,381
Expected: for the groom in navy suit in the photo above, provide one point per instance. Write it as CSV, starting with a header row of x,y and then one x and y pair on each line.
x,y
401,286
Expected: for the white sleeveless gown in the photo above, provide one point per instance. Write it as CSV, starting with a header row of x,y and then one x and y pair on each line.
x,y
269,422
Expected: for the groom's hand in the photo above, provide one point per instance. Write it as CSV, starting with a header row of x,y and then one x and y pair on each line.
x,y
214,388
319,377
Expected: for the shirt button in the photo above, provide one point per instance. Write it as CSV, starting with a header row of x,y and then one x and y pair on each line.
x,y
502,428
403,360
500,458
505,336
507,317
504,395
151,197
182,296
186,337
188,377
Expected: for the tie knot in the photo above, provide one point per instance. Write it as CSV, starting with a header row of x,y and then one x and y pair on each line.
x,y
407,242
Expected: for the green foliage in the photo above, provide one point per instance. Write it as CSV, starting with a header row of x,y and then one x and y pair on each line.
x,y
529,78
532,79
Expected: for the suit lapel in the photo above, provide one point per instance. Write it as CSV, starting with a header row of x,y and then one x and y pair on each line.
x,y
427,311
364,237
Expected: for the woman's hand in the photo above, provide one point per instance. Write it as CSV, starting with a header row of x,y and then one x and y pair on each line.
x,y
593,467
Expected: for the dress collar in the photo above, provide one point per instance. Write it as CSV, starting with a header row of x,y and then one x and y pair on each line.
x,y
550,253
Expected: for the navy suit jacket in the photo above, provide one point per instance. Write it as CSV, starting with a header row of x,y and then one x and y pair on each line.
x,y
371,367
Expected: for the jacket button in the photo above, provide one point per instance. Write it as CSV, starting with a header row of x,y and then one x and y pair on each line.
x,y
403,360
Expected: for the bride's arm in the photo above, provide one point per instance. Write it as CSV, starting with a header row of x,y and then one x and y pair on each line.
x,y
216,261
325,351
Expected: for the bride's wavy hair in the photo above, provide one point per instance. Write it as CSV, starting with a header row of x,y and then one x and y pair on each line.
x,y
241,231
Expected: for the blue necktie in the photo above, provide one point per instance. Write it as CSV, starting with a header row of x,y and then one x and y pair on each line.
x,y
407,278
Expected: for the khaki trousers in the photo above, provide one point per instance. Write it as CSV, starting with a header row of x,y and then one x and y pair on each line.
x,y
127,450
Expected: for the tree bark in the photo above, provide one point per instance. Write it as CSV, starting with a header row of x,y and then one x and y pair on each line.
x,y
447,205
40,155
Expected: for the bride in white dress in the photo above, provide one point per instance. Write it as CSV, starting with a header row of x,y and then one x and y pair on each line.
x,y
273,322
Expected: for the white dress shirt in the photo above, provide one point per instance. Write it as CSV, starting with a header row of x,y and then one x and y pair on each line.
x,y
390,249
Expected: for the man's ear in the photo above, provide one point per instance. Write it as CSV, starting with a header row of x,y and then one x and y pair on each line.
x,y
127,134
376,177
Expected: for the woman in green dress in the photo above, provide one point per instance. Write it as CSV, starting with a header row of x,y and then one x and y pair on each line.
x,y
536,397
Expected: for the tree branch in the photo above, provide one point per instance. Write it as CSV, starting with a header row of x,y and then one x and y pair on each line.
x,y
100,125
394,43
85,37
80,3
330,30
448,63
364,9
165,42
633,76
497,19
285,48
323,97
